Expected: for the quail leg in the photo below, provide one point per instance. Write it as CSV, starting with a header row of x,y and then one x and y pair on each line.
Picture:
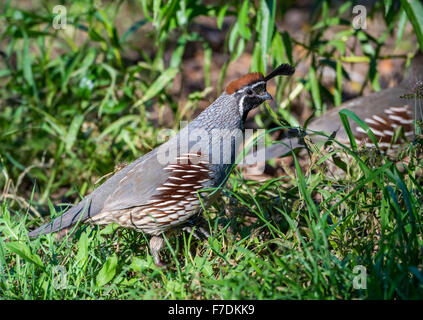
x,y
157,244
200,232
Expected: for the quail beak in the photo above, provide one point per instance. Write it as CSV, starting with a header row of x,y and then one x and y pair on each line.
x,y
266,96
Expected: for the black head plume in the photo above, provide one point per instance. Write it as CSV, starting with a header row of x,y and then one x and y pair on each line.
x,y
283,70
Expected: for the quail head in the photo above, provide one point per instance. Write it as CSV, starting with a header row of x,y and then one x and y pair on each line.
x,y
164,190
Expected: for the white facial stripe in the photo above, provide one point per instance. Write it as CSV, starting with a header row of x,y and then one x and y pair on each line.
x,y
257,84
251,87
240,106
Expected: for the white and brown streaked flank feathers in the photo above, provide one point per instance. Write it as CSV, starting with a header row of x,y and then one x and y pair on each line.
x,y
385,125
174,202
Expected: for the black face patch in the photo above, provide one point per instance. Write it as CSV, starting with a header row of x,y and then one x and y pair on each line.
x,y
250,97
251,102
259,89
255,89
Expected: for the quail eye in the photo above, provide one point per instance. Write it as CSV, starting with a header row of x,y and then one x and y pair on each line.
x,y
249,92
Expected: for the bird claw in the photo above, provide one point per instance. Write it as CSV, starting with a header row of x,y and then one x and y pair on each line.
x,y
199,233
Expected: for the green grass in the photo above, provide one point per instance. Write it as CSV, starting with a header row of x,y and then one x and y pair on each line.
x,y
269,241
72,106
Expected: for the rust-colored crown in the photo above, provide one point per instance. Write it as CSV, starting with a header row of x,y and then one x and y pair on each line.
x,y
283,70
244,80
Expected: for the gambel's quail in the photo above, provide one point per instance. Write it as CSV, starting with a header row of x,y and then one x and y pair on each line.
x,y
166,189
385,112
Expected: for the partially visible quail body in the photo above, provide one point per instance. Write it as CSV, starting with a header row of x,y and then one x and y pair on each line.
x,y
166,189
385,113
